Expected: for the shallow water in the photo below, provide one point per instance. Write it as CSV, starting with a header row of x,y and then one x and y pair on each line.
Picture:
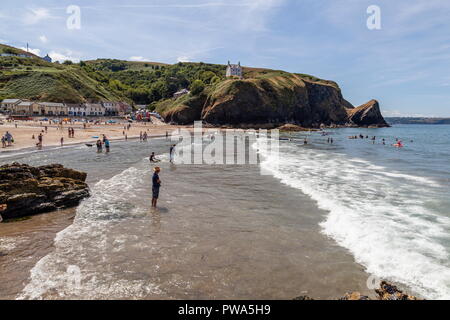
x,y
221,232
388,206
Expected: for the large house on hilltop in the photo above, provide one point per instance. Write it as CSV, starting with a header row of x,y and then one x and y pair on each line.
x,y
234,70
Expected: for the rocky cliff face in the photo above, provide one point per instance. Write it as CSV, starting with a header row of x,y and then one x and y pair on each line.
x,y
368,114
276,100
26,190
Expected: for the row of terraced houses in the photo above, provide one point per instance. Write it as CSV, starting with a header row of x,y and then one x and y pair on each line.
x,y
19,107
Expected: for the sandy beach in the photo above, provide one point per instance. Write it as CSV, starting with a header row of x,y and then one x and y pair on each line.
x,y
23,132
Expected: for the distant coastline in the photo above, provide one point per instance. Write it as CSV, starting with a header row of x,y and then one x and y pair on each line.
x,y
416,120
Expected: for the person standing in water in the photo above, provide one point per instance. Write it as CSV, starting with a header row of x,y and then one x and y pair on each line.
x,y
171,152
156,186
153,158
99,146
107,145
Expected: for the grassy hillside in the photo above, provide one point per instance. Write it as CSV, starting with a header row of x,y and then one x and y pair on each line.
x,y
147,83
8,49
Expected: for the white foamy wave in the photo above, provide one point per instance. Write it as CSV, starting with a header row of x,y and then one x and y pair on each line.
x,y
381,217
81,264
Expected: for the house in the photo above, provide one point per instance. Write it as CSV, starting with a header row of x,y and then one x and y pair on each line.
x,y
47,58
8,104
234,70
50,109
76,110
111,108
23,108
95,109
180,93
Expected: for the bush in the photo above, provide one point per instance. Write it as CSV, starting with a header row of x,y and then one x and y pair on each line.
x,y
197,87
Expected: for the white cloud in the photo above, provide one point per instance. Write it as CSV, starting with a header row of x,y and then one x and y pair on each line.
x,y
34,16
137,58
61,57
183,59
43,39
33,51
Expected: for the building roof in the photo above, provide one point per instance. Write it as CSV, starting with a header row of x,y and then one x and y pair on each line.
x,y
11,101
25,103
182,91
52,104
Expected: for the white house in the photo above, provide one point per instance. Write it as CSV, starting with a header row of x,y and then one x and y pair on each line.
x,y
234,70
181,93
111,108
76,110
95,109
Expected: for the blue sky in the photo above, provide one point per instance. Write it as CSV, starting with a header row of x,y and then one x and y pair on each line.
x,y
405,64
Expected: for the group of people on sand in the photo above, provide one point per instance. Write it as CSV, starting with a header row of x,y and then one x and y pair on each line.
x,y
103,142
71,132
7,140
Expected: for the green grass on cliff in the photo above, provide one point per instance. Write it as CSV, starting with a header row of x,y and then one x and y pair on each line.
x,y
136,82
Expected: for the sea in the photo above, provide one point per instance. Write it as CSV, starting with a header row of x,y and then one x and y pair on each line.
x,y
321,219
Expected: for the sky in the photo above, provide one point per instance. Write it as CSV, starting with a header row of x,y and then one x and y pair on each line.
x,y
404,64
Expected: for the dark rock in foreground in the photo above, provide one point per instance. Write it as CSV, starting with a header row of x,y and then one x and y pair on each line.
x,y
386,291
27,190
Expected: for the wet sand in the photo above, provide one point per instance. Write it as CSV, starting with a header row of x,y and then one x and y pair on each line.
x,y
23,243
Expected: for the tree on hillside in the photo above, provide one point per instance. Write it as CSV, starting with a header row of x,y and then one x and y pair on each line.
x,y
197,87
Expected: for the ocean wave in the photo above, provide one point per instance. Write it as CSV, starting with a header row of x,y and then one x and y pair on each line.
x,y
80,265
380,215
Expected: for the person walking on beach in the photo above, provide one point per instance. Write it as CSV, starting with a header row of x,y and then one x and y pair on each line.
x,y
62,141
171,152
3,142
156,184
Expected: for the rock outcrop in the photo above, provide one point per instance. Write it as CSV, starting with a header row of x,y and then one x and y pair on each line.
x,y
276,100
368,114
27,190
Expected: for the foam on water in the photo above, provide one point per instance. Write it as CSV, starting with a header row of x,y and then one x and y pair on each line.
x,y
383,217
80,265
